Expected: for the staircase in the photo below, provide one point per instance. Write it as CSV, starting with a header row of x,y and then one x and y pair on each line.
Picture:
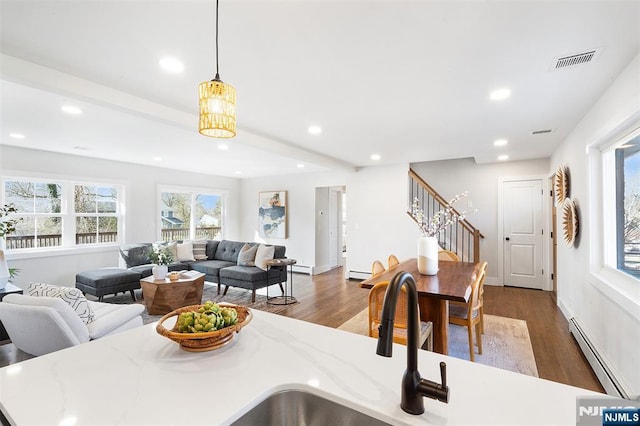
x,y
461,237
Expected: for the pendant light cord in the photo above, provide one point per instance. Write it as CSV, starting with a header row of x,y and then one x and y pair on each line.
x,y
217,72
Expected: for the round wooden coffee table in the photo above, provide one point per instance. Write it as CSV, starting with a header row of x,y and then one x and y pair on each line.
x,y
163,296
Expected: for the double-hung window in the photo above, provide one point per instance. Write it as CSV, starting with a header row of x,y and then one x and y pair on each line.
x,y
191,214
63,214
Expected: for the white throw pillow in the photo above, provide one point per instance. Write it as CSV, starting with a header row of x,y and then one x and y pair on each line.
x,y
247,255
72,296
263,254
185,252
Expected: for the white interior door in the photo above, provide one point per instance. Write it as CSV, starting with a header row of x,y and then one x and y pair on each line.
x,y
523,233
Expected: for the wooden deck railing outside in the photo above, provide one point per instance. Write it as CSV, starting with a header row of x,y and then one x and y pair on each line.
x,y
55,240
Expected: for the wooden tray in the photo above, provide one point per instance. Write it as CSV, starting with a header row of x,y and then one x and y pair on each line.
x,y
201,342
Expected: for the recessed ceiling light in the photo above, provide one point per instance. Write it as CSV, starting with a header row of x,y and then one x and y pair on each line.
x,y
80,148
16,135
300,166
238,172
500,94
375,157
223,146
314,130
503,157
171,65
500,142
70,109
157,158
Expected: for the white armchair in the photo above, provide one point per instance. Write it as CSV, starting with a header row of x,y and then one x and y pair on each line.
x,y
39,325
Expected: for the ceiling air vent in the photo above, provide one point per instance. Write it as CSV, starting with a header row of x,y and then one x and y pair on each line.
x,y
575,59
541,132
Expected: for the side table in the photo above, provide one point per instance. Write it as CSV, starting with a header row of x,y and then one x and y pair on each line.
x,y
8,289
284,299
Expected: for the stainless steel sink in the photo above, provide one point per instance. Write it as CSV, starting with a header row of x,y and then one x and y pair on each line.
x,y
299,407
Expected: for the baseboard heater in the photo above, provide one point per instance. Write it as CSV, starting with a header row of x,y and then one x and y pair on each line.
x,y
359,275
302,269
608,380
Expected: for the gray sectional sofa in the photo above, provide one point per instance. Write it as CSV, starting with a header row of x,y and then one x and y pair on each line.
x,y
220,266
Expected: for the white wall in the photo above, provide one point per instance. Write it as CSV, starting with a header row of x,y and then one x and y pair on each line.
x,y
451,177
141,189
377,223
614,329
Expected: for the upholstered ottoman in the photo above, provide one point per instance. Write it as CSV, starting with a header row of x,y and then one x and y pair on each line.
x,y
108,281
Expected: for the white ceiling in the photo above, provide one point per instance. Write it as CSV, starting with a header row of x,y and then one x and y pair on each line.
x,y
408,80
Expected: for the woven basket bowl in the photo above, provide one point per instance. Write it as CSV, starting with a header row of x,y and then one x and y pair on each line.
x,y
201,342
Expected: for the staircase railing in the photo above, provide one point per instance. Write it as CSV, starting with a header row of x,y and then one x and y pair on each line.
x,y
462,237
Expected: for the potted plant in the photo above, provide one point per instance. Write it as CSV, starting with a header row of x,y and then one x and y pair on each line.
x,y
430,227
161,257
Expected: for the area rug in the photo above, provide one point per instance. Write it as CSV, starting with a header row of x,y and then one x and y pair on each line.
x,y
505,342
237,296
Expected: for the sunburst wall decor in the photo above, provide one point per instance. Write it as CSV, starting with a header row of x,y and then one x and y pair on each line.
x,y
561,184
570,224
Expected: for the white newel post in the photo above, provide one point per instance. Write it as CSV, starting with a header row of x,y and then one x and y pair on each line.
x,y
428,255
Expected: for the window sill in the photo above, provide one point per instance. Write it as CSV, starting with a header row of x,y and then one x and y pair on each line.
x,y
619,287
59,251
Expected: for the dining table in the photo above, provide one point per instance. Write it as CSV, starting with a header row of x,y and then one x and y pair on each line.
x,y
452,282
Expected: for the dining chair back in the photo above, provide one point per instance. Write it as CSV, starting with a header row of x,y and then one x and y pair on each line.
x,y
392,261
377,268
400,324
468,314
448,255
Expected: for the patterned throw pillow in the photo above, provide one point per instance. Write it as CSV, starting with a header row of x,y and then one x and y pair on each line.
x,y
263,254
247,255
200,249
72,296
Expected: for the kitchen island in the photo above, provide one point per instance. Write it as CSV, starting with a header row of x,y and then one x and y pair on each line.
x,y
139,377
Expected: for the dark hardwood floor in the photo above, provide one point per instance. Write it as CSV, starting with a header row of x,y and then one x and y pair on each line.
x,y
328,299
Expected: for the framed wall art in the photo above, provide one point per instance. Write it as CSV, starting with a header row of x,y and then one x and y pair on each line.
x,y
272,214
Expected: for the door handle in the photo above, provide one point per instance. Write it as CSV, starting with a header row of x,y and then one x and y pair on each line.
x,y
507,238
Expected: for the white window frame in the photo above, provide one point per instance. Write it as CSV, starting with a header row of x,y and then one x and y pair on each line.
x,y
194,191
68,216
617,285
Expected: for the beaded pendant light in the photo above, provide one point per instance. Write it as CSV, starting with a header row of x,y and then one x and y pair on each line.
x,y
217,104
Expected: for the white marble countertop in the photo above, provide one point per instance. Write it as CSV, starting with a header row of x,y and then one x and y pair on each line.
x,y
141,378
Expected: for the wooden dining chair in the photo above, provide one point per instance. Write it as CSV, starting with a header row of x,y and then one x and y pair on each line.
x,y
481,296
377,268
392,261
448,255
468,315
376,301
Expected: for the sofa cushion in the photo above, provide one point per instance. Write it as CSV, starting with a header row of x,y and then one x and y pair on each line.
x,y
211,267
228,251
212,246
111,316
71,296
135,254
185,252
247,255
200,249
244,273
263,254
